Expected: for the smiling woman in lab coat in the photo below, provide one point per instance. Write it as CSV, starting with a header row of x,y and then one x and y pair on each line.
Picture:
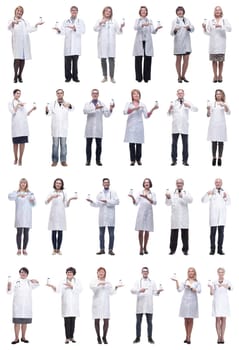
x,y
102,290
22,303
57,218
24,200
70,289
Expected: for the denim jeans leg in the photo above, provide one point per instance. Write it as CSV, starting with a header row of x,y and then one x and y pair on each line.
x,y
111,230
102,237
55,149
63,151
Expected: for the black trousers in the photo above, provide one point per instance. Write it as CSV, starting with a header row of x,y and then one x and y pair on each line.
x,y
98,150
146,73
220,238
149,318
174,153
69,327
135,150
71,69
220,146
174,239
25,232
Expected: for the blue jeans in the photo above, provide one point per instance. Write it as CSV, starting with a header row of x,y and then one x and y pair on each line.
x,y
102,237
55,149
149,318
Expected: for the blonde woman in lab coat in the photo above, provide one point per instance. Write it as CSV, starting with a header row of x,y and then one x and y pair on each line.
x,y
70,289
24,201
107,29
22,303
20,131
21,41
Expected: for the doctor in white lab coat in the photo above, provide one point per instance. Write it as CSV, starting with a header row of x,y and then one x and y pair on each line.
x,y
179,200
22,303
145,289
20,41
218,200
106,201
72,29
70,289
179,110
59,110
95,110
107,29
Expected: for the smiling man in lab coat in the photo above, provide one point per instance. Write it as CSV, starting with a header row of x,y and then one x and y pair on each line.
x,y
219,199
145,289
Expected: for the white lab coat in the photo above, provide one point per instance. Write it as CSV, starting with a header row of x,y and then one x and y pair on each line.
x,y
70,298
220,304
57,218
217,129
134,132
106,210
59,119
72,44
19,119
21,46
143,34
180,114
182,40
179,209
101,299
94,123
144,303
23,208
217,207
217,42
107,37
145,219
22,298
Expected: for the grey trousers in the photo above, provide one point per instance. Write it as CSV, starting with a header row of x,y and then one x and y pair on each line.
x,y
111,66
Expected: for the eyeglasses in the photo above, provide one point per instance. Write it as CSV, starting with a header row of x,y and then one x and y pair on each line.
x,y
145,271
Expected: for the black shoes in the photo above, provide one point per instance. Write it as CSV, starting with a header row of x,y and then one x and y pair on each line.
x,y
220,252
173,163
185,163
104,340
67,80
137,340
185,80
214,161
98,162
101,252
15,341
185,253
24,340
87,163
76,80
145,251
99,340
211,252
111,252
171,253
150,340
219,162
187,341
139,162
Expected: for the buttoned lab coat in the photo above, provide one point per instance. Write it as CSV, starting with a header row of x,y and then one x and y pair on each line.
x,y
179,209
144,303
57,217
107,38
182,40
101,299
70,298
217,41
143,34
19,119
106,210
134,132
180,114
94,123
59,119
72,43
217,207
23,208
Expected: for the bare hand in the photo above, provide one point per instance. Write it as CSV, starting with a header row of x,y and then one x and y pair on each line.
x,y
39,24
89,200
66,104
34,281
103,201
142,290
187,105
168,196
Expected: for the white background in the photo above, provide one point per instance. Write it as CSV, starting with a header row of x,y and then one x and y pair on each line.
x,y
42,76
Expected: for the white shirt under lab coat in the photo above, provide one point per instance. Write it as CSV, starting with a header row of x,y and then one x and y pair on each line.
x,y
22,298
70,298
72,44
57,217
94,123
23,208
180,114
19,119
217,207
143,34
217,129
20,39
107,37
134,132
101,299
182,40
217,42
106,210
179,209
144,303
59,119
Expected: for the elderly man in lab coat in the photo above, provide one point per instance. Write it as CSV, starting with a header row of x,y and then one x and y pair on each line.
x,y
145,289
219,199
59,126
179,200
95,110
106,201
72,28
179,110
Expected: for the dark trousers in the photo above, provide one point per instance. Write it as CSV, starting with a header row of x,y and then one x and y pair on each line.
x,y
57,239
111,66
111,230
174,153
174,239
25,232
216,144
149,318
98,150
135,150
220,238
69,327
146,74
71,69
